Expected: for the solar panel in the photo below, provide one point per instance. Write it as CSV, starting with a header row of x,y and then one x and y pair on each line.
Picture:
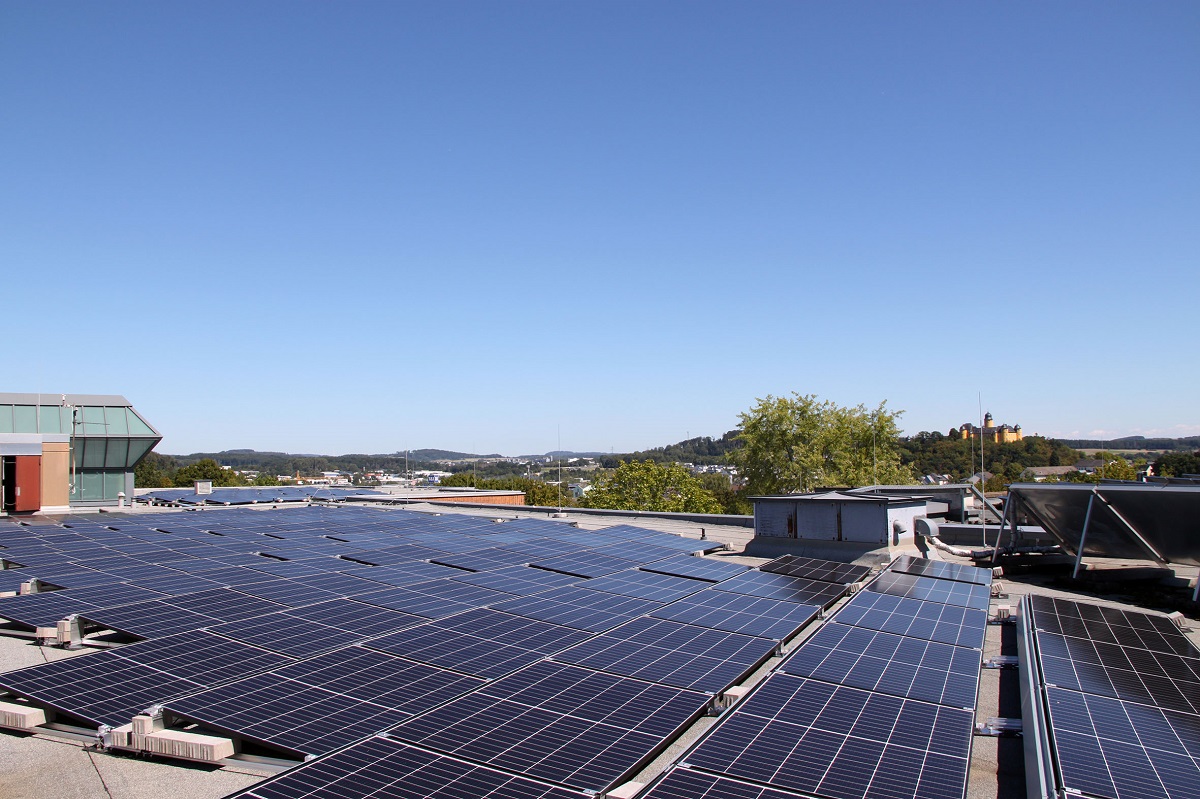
x,y
286,634
740,613
1107,625
224,604
414,602
456,591
401,574
941,570
696,567
399,771
297,718
827,571
788,589
96,688
839,742
519,580
344,584
286,592
112,686
1163,679
563,746
1123,750
671,653
483,560
640,551
545,548
380,678
646,585
176,584
931,621
584,564
594,611
484,643
889,664
930,589
595,696
684,783
153,619
202,657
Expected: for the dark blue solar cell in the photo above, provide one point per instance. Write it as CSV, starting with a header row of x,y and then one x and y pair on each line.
x,y
399,771
915,618
779,586
740,613
697,568
890,664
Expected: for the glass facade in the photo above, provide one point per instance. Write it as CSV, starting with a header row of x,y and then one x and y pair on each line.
x,y
107,441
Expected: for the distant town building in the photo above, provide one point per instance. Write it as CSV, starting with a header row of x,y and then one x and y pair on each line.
x,y
1003,434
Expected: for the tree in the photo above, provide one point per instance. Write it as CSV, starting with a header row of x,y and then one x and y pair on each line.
x,y
207,469
536,492
154,471
646,485
730,499
1177,464
264,479
801,443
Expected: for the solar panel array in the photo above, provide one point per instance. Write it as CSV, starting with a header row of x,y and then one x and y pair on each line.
x,y
880,702
521,656
816,569
1121,693
450,656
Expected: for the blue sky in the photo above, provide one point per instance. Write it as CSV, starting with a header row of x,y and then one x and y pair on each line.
x,y
353,227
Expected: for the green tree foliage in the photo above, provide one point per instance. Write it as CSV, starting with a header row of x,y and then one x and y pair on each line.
x,y
730,499
536,492
646,485
155,471
1115,468
704,450
800,443
207,469
937,453
264,479
1177,464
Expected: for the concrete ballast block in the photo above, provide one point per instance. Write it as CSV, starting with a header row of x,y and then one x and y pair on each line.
x,y
21,717
144,725
190,745
121,736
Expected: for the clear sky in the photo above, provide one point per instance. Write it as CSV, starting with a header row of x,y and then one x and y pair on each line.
x,y
361,227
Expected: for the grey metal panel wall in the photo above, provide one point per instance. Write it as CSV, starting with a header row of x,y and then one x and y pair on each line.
x,y
816,521
864,522
771,518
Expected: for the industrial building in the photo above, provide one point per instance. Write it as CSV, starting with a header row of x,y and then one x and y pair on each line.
x,y
62,451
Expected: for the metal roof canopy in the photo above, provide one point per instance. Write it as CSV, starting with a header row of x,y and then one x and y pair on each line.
x,y
1138,521
916,498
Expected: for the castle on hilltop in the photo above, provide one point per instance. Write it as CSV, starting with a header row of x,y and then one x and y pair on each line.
x,y
1003,434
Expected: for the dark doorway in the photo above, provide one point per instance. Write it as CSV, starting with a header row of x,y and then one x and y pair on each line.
x,y
8,479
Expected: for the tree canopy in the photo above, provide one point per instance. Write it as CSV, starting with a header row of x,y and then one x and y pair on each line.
x,y
1177,464
207,469
536,491
646,485
800,443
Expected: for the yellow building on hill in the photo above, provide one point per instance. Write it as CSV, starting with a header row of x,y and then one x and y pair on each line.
x,y
1003,434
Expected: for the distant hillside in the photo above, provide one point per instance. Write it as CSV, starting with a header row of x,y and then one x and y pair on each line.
x,y
703,450
291,463
1188,444
443,455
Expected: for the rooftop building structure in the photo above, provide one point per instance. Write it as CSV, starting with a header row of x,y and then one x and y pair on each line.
x,y
62,451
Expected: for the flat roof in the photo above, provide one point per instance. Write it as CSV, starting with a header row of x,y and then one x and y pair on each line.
x,y
110,400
